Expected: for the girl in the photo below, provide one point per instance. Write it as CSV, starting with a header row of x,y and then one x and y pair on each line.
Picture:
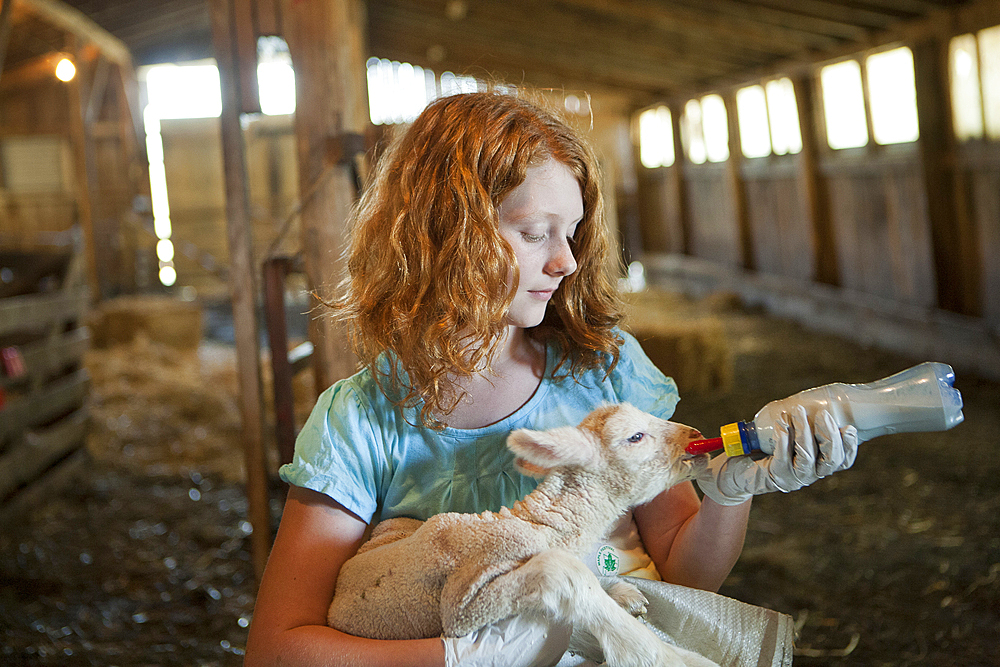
x,y
481,299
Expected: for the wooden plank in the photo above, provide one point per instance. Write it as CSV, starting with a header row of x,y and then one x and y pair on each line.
x,y
39,450
46,357
242,284
59,397
246,54
29,311
43,487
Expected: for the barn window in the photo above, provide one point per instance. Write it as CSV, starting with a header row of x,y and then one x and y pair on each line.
x,y
783,113
751,112
768,119
844,105
704,130
184,91
989,55
966,95
397,92
974,64
892,96
656,138
275,78
454,84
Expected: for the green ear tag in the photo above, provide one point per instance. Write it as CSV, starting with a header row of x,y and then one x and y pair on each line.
x,y
607,560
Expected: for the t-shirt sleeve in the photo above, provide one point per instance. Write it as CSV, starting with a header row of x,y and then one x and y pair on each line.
x,y
638,381
339,453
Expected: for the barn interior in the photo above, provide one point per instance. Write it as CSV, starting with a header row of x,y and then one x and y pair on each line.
x,y
804,192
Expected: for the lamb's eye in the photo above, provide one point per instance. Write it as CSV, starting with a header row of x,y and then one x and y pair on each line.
x,y
636,438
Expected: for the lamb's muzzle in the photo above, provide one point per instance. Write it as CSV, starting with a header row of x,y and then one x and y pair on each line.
x,y
456,573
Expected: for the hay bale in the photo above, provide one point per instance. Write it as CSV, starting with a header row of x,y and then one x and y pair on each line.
x,y
684,343
160,319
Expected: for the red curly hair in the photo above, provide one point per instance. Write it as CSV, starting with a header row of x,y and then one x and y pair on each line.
x,y
428,269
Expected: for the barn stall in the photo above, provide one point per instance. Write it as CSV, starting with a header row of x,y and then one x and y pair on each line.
x,y
873,257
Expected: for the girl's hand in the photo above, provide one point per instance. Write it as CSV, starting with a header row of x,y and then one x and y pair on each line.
x,y
801,457
516,641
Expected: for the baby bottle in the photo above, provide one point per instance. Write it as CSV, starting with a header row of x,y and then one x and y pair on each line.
x,y
921,398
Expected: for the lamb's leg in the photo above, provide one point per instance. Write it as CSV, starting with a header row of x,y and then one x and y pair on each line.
x,y
625,594
555,584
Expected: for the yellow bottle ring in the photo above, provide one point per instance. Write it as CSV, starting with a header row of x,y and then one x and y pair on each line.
x,y
731,440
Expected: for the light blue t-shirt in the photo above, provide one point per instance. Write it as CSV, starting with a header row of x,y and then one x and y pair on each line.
x,y
362,450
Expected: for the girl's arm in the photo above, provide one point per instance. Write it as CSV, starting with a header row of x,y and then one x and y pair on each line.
x,y
692,543
314,539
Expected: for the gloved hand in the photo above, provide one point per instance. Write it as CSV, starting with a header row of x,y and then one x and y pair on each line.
x,y
800,458
517,641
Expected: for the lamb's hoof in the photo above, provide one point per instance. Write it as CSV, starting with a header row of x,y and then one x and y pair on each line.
x,y
628,598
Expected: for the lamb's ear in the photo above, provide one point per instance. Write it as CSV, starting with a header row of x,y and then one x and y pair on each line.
x,y
539,451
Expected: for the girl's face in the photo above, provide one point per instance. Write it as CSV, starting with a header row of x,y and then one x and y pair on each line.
x,y
538,219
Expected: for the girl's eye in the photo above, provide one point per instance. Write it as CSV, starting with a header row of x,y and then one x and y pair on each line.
x,y
533,238
635,438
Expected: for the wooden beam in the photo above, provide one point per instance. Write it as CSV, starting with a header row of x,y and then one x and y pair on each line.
x,y
586,48
811,187
5,25
750,14
326,39
677,181
77,23
242,285
267,17
246,52
954,262
711,26
84,167
275,271
737,187
30,72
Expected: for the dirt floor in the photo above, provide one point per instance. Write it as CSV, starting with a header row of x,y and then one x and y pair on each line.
x,y
144,560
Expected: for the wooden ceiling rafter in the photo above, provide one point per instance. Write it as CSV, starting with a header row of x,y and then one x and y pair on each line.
x,y
718,27
644,49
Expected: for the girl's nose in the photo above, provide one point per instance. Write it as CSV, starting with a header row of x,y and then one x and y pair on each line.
x,y
562,262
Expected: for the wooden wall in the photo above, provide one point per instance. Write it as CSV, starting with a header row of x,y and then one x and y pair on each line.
x,y
102,163
916,224
37,112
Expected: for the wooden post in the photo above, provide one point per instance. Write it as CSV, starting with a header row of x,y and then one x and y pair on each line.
x,y
83,167
812,187
955,264
326,39
678,187
275,269
241,280
737,188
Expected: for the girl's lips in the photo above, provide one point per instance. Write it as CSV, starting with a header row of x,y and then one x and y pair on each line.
x,y
544,294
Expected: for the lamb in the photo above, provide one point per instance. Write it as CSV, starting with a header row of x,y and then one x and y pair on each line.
x,y
456,573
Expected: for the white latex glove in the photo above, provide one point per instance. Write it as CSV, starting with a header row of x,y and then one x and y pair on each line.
x,y
517,641
799,459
